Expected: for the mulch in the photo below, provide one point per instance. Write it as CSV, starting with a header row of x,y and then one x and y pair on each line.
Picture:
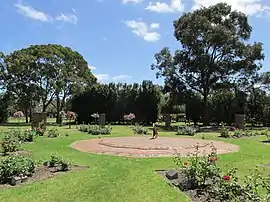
x,y
43,173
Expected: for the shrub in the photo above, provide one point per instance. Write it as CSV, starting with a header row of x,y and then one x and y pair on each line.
x,y
200,172
137,129
10,143
224,131
246,133
96,130
54,160
59,162
186,130
83,128
16,166
53,133
204,175
28,136
40,131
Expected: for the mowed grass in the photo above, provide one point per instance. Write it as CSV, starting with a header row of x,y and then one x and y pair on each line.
x,y
111,178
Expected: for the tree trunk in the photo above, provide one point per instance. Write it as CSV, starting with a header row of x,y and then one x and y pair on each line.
x,y
58,110
26,116
30,112
205,110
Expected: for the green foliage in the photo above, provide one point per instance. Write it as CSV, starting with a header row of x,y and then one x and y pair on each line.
x,y
96,129
83,128
246,133
116,100
59,162
10,143
40,131
200,172
186,130
25,136
140,130
205,58
29,135
53,133
46,72
5,102
204,174
224,131
16,166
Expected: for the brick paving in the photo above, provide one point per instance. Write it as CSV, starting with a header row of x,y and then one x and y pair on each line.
x,y
144,147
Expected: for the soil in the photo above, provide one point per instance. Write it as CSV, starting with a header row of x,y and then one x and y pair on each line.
x,y
43,173
144,147
195,195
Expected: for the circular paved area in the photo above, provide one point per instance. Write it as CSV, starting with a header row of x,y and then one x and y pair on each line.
x,y
145,147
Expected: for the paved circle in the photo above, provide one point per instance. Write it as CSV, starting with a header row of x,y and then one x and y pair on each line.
x,y
145,147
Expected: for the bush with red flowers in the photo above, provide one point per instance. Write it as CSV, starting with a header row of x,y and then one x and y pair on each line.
x,y
203,176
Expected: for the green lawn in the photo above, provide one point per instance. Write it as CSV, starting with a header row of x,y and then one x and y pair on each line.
x,y
111,178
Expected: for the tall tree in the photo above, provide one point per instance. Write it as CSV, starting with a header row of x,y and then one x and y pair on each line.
x,y
47,72
214,48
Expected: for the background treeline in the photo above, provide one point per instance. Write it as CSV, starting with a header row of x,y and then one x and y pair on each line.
x,y
151,102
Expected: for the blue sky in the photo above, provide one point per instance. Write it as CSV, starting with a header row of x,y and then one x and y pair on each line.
x,y
118,38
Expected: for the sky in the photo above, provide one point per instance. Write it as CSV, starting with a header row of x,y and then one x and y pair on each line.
x,y
118,38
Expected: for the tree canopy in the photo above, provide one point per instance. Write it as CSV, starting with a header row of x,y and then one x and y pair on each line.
x,y
44,73
214,48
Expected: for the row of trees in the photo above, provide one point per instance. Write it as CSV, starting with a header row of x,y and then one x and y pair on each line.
x,y
116,100
149,102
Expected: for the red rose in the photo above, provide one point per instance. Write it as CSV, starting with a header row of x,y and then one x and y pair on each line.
x,y
213,159
226,178
185,163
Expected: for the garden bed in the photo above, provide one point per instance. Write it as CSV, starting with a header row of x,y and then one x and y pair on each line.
x,y
41,173
177,179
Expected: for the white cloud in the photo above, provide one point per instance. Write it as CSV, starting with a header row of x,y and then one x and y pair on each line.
x,y
162,7
102,77
131,1
92,67
143,30
67,18
154,25
121,77
31,12
249,7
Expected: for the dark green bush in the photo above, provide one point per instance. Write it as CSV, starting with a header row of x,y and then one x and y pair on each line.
x,y
53,133
59,162
16,166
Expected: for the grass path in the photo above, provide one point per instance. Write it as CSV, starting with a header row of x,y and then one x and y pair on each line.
x,y
113,179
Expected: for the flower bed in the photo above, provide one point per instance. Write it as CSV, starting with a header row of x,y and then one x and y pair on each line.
x,y
203,180
16,169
